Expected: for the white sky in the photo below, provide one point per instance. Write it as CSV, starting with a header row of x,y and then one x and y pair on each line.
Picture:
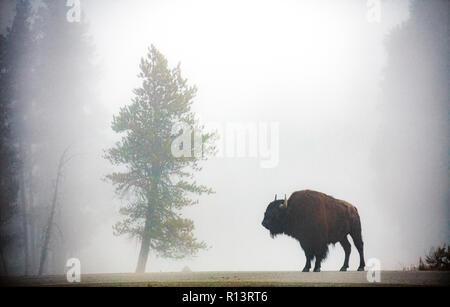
x,y
313,66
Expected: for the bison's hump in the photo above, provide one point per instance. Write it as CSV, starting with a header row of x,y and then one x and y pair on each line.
x,y
314,197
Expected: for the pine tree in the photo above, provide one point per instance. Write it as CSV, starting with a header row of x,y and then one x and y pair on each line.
x,y
439,258
53,117
15,72
8,159
48,82
159,184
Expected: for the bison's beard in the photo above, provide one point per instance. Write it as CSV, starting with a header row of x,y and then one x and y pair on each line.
x,y
273,229
273,234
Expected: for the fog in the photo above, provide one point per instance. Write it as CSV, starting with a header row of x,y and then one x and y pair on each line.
x,y
318,69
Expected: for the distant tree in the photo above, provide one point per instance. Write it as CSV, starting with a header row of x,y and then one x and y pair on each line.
x,y
439,258
8,160
63,111
15,71
53,208
49,102
48,81
412,150
159,183
421,266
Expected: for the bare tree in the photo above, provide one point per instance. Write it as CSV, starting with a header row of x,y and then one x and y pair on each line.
x,y
48,233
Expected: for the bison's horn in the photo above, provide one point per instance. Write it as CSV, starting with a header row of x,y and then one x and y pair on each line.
x,y
285,200
275,197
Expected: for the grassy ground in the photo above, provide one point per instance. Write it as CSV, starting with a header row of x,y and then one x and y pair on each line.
x,y
239,279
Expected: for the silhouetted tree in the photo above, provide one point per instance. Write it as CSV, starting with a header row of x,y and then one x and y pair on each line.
x,y
48,80
51,219
64,113
15,72
158,182
439,258
8,159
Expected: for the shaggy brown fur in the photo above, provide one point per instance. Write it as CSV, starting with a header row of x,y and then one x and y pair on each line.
x,y
316,220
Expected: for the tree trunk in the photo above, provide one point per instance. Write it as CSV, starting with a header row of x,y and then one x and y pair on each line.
x,y
24,212
33,251
151,199
50,222
145,247
2,256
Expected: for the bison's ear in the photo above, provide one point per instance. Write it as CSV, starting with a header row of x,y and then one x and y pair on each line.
x,y
275,197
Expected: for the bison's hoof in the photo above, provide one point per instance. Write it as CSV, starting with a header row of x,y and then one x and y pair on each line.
x,y
316,269
344,269
306,269
361,268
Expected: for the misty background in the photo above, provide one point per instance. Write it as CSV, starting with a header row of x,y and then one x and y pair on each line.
x,y
362,108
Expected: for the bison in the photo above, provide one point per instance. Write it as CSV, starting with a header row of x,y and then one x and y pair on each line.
x,y
316,220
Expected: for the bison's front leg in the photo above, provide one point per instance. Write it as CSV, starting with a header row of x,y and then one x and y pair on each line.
x,y
320,255
308,263
318,263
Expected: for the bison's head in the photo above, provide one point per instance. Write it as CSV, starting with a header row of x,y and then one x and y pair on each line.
x,y
275,216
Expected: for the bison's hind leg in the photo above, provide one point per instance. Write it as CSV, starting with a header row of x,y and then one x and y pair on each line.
x,y
357,239
347,249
